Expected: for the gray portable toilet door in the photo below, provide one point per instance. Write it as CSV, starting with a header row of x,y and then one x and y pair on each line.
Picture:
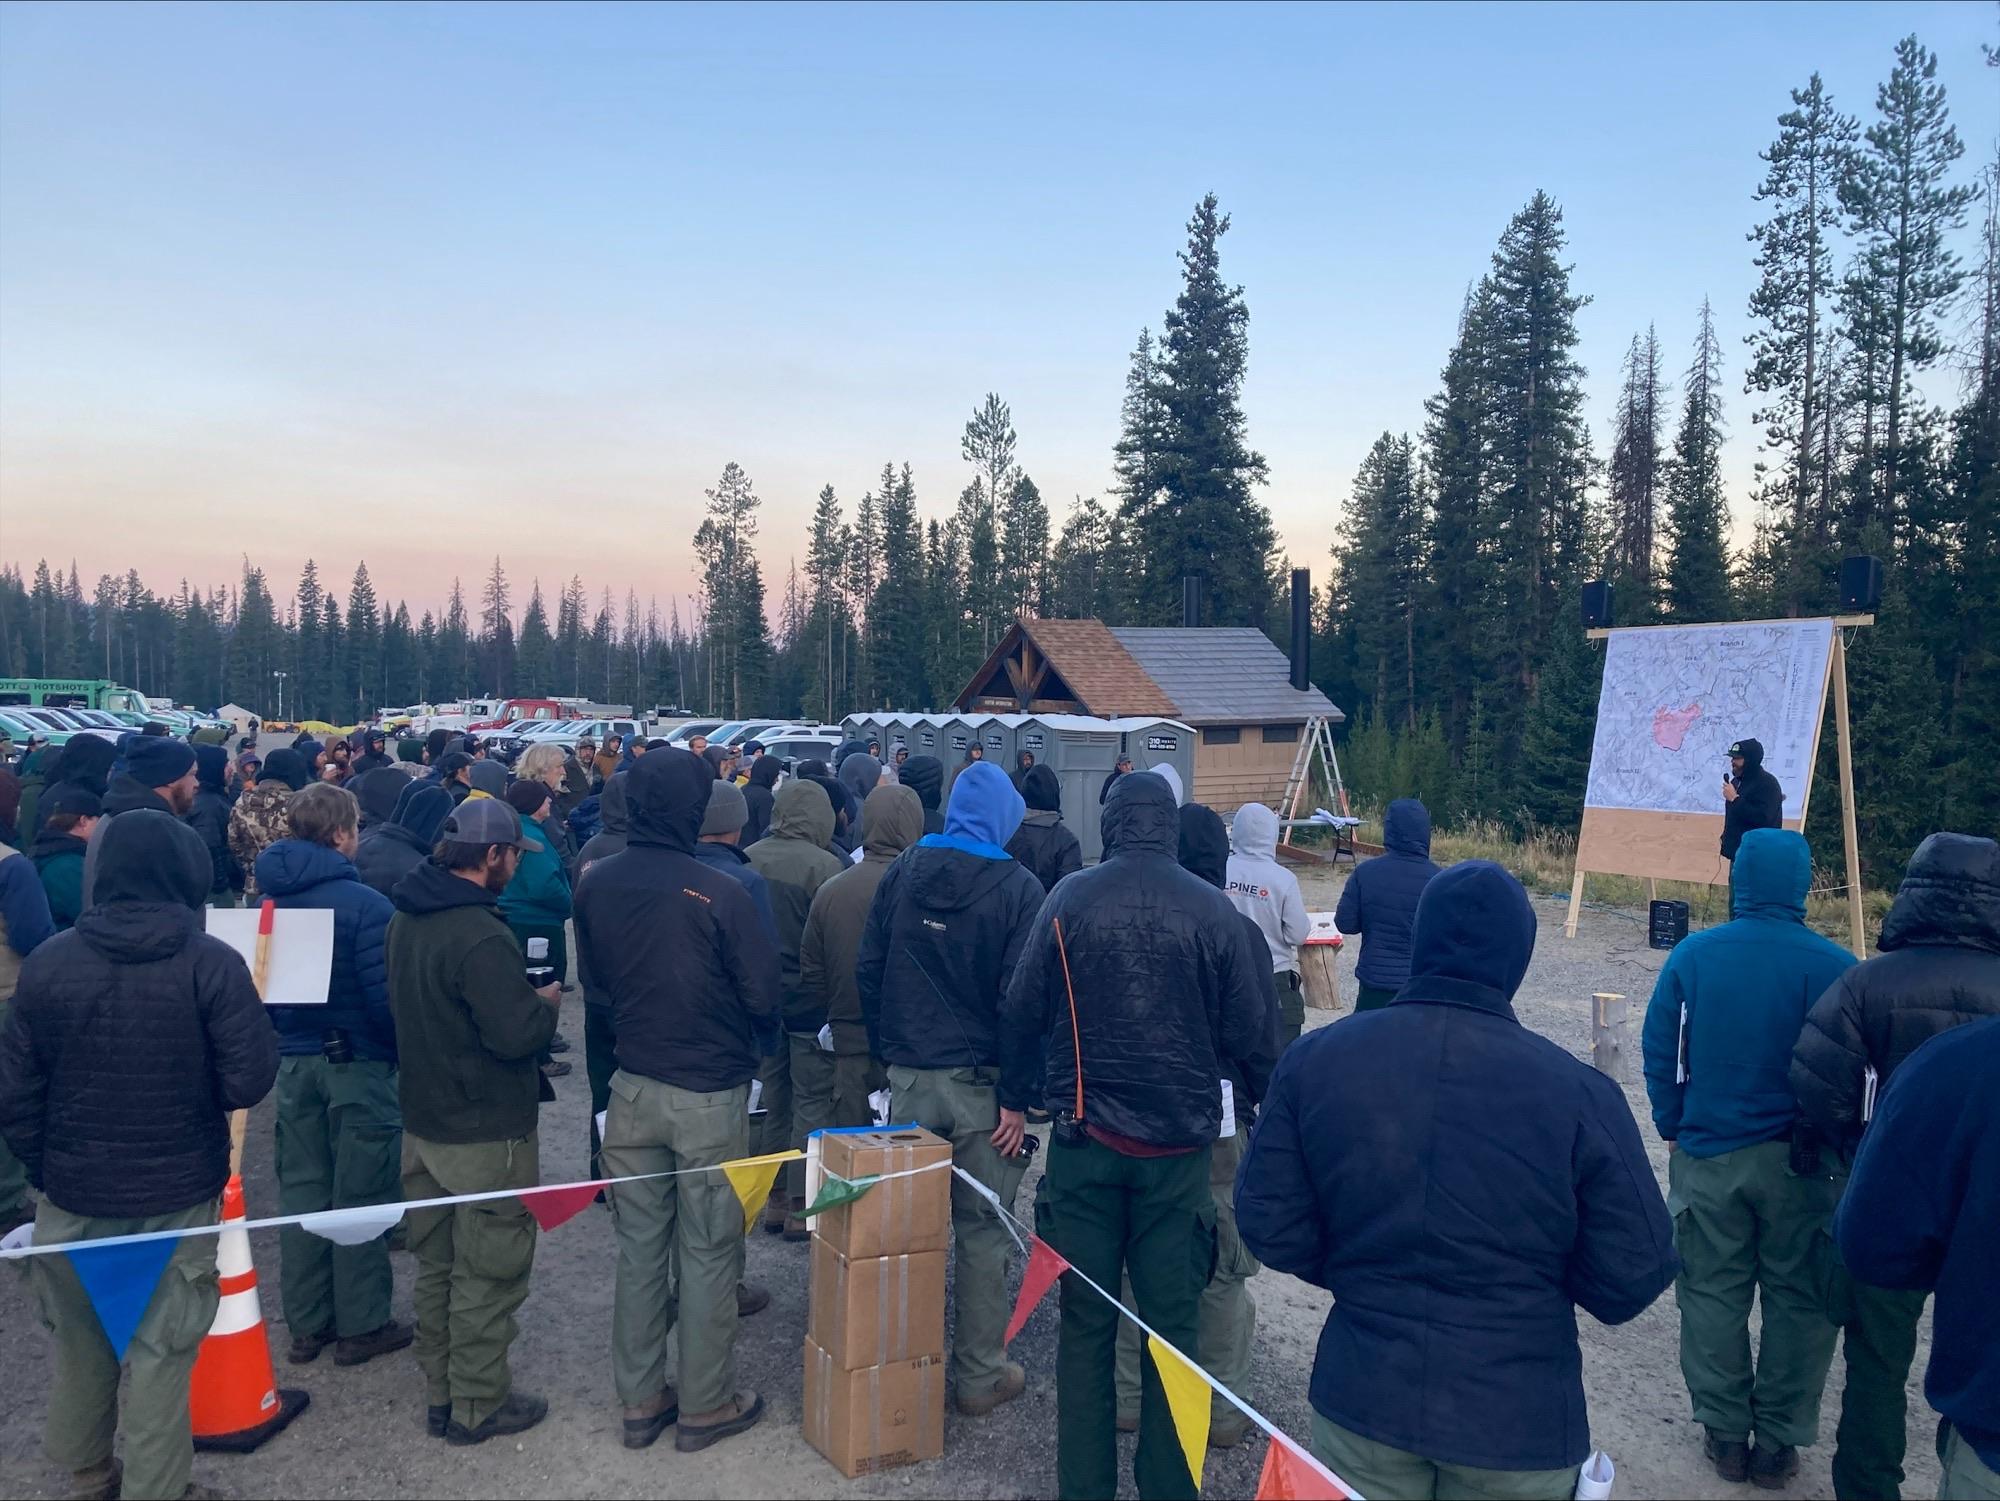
x,y
1081,759
1165,743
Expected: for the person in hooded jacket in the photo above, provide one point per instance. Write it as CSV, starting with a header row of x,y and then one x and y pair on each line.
x,y
538,900
259,818
70,812
692,975
486,779
1044,843
600,1031
1268,894
944,931
209,817
377,792
392,849
1137,985
798,1080
860,775
1751,797
1491,1170
339,1128
26,922
37,777
757,796
1938,968
372,753
1752,1193
130,1039
1228,1323
924,775
1379,903
159,774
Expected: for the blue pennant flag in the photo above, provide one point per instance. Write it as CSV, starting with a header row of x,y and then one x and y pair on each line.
x,y
119,1281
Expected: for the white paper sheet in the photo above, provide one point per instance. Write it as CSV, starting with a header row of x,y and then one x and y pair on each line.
x,y
1228,1111
301,950
1594,1480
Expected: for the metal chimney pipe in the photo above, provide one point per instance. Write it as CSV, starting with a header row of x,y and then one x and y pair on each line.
x,y
1302,629
1190,599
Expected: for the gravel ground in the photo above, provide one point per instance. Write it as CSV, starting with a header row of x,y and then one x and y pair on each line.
x,y
363,1434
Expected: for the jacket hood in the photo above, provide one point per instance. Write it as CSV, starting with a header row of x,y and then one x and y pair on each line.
x,y
666,793
765,771
286,766
1040,790
309,750
1204,844
716,756
489,777
984,808
211,767
1171,777
802,810
1773,873
429,887
1473,937
49,843
946,878
1752,752
891,820
150,856
1951,894
127,794
860,774
923,775
613,812
289,866
86,761
1141,817
405,814
1406,828
849,748
1254,832
378,792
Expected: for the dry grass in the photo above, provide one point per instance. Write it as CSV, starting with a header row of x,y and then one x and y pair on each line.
x,y
1545,863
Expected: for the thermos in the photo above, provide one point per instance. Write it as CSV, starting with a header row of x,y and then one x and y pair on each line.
x,y
540,972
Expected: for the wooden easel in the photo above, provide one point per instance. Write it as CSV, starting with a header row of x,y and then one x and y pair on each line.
x,y
1837,673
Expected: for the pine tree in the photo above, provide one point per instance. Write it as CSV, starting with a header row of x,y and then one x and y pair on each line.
x,y
364,645
1139,457
455,666
723,544
987,444
896,613
334,687
1697,569
1080,585
1561,723
1635,480
1204,519
257,651
570,635
1024,549
1461,607
308,681
535,656
1379,563
496,631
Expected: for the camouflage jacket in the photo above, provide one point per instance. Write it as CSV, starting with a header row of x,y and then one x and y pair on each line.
x,y
257,821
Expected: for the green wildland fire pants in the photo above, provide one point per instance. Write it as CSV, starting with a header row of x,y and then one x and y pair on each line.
x,y
83,1396
1879,1342
1108,1214
473,1263
1228,1312
963,1106
856,1075
680,1240
1384,1473
812,1108
1747,1227
340,1144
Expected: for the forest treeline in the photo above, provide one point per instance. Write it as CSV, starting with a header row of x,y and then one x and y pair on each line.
x,y
1447,625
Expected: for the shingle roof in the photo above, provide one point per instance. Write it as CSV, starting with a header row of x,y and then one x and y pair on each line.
x,y
1215,675
1099,671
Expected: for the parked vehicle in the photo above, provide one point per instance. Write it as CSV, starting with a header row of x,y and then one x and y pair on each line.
x,y
88,693
682,733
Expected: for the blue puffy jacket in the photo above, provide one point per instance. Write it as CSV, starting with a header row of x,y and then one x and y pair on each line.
x,y
1379,900
1746,988
296,873
1460,1185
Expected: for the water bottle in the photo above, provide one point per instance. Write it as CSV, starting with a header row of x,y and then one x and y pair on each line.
x,y
540,972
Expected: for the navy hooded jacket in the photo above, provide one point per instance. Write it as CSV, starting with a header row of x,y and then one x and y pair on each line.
x,y
299,873
1461,1185
1380,898
1922,1210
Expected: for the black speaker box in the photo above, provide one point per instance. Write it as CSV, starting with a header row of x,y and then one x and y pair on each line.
x,y
1596,605
1860,585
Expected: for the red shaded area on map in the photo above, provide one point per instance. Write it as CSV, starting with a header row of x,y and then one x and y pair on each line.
x,y
1670,726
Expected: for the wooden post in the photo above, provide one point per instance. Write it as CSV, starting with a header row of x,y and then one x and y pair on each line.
x,y
1608,1015
260,974
1575,904
1856,923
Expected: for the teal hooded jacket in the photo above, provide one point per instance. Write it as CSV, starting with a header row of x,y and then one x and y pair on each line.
x,y
1745,988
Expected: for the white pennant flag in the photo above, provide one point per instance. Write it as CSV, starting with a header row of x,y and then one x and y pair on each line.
x,y
353,1227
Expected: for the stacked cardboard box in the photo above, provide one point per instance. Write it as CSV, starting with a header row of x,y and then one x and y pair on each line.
x,y
875,1336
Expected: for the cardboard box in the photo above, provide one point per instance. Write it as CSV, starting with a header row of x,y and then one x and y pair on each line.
x,y
875,1418
873,1311
902,1216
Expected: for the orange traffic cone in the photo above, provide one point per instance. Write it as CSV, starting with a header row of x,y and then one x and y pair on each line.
x,y
234,1397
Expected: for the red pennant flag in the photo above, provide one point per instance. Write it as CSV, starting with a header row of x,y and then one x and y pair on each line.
x,y
557,1206
1044,1266
1290,1475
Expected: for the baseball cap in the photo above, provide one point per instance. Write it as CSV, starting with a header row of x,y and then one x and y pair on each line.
x,y
485,820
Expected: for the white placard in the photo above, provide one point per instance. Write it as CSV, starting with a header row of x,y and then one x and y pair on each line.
x,y
301,950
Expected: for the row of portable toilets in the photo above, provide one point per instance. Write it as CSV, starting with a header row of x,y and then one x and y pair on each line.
x,y
1081,751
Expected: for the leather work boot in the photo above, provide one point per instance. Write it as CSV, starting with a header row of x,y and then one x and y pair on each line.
x,y
644,1425
741,1413
1771,1468
1013,1381
363,1348
520,1412
1730,1456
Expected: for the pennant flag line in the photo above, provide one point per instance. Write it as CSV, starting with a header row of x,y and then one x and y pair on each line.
x,y
1290,1474
120,1281
1044,1266
353,1227
752,1178
558,1206
1187,1398
838,1191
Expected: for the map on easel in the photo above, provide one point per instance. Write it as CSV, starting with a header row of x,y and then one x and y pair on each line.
x,y
1673,701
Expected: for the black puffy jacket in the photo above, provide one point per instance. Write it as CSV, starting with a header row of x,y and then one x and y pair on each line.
x,y
679,948
132,1036
1044,843
1759,802
1939,967
924,775
1204,852
391,850
1166,986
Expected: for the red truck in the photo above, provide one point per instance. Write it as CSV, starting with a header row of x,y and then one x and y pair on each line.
x,y
514,709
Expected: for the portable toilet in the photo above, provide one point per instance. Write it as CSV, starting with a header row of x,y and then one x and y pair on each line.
x,y
1081,751
898,732
1160,742
926,736
998,736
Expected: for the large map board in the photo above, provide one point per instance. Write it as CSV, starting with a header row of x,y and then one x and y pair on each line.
x,y
1673,700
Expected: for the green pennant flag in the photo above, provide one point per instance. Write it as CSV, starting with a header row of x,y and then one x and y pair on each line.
x,y
838,1191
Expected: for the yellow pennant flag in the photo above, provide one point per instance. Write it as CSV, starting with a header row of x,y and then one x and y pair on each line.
x,y
752,1178
1187,1400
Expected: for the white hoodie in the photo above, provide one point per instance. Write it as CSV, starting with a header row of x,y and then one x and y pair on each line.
x,y
1262,889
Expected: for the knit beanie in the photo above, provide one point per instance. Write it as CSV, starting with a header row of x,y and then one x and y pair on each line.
x,y
727,811
153,762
